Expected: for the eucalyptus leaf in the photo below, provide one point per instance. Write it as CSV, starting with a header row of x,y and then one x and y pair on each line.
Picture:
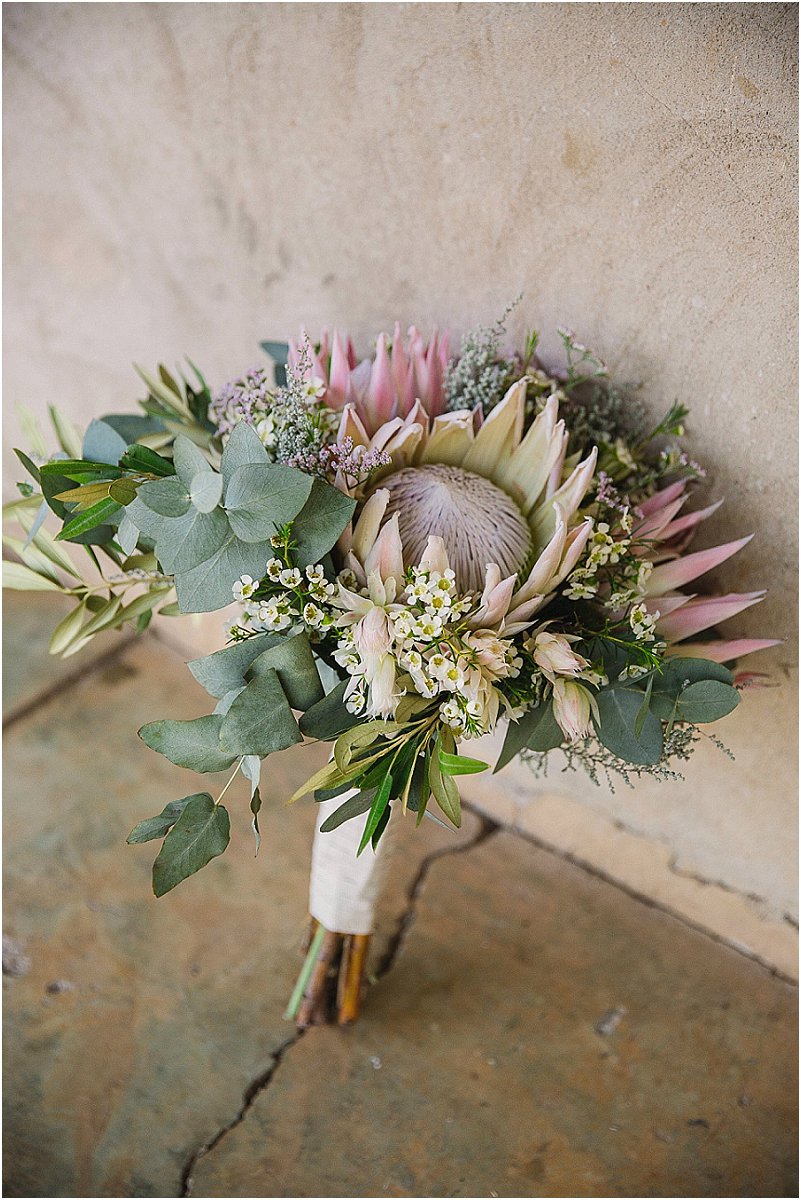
x,y
318,525
190,462
224,703
537,729
243,447
127,535
260,720
226,669
193,744
188,542
206,491
293,662
328,718
255,808
705,701
260,498
618,711
168,497
102,443
201,833
208,586
157,827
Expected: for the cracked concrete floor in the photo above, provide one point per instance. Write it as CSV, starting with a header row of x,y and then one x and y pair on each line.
x,y
534,1031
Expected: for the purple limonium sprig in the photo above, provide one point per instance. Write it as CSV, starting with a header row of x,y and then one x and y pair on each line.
x,y
245,399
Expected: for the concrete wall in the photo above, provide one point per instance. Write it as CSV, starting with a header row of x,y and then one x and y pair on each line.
x,y
191,178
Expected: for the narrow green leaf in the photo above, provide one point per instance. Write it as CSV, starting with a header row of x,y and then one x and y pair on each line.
x,y
68,436
459,764
160,826
22,579
644,708
67,630
87,494
362,802
141,459
86,521
201,833
376,811
444,789
29,466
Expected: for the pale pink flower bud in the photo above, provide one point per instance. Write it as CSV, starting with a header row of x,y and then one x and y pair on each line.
x,y
572,707
554,656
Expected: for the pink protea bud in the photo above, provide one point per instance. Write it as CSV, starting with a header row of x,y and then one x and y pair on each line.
x,y
572,708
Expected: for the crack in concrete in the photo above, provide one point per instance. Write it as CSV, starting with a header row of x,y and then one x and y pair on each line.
x,y
487,827
254,1089
263,1080
598,873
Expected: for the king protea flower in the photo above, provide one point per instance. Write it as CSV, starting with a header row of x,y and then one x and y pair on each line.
x,y
683,615
497,499
387,386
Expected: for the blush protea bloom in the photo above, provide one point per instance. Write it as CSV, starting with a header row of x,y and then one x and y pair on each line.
x,y
386,386
680,615
493,495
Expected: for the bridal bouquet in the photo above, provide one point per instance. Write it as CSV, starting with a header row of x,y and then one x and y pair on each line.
x,y
420,547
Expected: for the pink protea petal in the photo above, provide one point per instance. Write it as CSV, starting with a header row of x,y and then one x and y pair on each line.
x,y
546,567
689,521
381,404
574,548
351,354
672,575
496,606
654,524
351,426
386,555
660,499
365,531
666,604
722,652
435,399
555,477
435,556
444,348
339,374
698,615
748,680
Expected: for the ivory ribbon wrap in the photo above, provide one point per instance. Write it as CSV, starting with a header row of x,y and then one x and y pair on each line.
x,y
343,890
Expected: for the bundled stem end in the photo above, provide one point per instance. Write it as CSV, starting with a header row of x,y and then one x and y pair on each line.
x,y
330,984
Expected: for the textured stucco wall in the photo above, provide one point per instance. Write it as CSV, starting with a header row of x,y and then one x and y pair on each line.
x,y
190,178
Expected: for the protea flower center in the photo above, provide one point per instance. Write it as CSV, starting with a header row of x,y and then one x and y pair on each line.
x,y
478,522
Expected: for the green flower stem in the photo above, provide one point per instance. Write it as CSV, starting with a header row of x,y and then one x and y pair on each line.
x,y
296,998
228,784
